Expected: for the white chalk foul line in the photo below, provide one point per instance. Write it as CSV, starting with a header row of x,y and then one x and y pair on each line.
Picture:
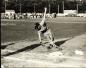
x,y
38,62
32,60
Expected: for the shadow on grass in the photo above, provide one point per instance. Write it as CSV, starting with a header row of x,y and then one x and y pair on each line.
x,y
23,49
31,47
4,46
60,42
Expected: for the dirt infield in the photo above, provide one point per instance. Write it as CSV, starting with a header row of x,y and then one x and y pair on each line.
x,y
37,58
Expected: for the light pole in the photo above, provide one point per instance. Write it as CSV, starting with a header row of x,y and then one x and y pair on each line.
x,y
49,8
58,8
63,6
34,7
5,4
77,7
20,8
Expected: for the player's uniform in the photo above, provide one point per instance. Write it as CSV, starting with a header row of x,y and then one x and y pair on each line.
x,y
44,30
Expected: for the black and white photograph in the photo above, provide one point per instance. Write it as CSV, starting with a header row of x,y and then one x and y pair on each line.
x,y
43,33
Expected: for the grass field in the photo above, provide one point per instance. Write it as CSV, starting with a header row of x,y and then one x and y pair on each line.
x,y
15,30
29,53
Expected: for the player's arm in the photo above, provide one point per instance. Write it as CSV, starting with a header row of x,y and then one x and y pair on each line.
x,y
43,20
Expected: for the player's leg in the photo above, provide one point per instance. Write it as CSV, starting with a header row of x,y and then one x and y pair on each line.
x,y
50,39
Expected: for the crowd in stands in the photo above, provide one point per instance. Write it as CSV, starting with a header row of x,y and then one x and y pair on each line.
x,y
37,15
25,15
